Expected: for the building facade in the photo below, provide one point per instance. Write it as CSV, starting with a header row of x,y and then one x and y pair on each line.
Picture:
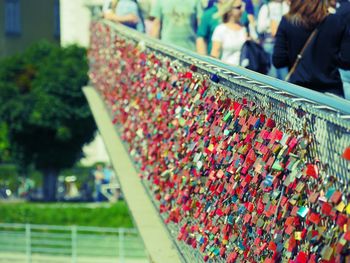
x,y
75,20
24,22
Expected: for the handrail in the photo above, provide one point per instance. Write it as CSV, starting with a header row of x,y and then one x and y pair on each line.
x,y
68,228
338,104
27,243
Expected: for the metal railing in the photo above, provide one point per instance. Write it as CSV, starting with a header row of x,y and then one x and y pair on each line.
x,y
297,112
45,243
295,96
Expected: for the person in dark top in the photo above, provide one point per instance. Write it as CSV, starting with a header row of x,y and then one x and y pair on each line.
x,y
211,3
329,49
343,10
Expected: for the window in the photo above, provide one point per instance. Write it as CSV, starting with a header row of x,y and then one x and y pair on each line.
x,y
56,12
12,17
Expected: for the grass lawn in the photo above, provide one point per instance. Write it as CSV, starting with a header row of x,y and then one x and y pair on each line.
x,y
81,214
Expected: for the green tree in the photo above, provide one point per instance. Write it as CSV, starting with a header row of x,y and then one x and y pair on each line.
x,y
42,103
4,143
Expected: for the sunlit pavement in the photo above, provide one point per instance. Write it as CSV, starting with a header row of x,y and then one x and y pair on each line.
x,y
36,258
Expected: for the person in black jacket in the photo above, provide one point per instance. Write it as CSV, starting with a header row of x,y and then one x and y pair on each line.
x,y
343,8
329,49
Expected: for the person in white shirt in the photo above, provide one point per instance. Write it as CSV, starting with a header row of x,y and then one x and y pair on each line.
x,y
269,17
229,37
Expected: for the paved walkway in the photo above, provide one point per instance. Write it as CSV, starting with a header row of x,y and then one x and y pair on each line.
x,y
154,234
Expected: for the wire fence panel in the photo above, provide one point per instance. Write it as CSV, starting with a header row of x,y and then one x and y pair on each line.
x,y
242,167
41,243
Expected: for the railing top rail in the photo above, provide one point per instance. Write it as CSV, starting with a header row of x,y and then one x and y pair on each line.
x,y
331,103
68,228
10,225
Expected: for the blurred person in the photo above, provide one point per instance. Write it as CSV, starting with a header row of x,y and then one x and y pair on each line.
x,y
205,4
211,3
317,67
71,187
229,37
99,177
108,175
257,5
175,21
332,4
145,8
209,22
110,187
248,18
206,28
269,17
26,187
342,8
109,5
126,12
249,12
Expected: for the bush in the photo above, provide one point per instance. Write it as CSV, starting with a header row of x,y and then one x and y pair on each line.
x,y
101,215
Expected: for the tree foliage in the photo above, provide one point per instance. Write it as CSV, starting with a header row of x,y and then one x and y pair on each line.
x,y
4,143
41,101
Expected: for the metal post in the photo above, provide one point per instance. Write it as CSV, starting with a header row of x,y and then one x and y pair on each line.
x,y
28,244
74,243
121,245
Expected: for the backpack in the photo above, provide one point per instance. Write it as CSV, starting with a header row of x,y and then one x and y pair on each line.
x,y
254,57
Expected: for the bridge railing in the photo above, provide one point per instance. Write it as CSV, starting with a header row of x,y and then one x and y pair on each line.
x,y
49,243
241,166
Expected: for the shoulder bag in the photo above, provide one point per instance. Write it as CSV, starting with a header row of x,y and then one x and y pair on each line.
x,y
300,55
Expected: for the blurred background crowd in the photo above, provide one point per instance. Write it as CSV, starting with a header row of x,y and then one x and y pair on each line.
x,y
79,184
305,42
280,31
45,120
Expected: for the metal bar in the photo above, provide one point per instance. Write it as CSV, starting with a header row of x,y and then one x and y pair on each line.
x,y
9,225
16,242
92,246
112,246
105,229
96,241
121,245
28,244
83,246
51,250
74,244
107,235
68,228
51,235
46,242
7,234
12,248
97,236
51,227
